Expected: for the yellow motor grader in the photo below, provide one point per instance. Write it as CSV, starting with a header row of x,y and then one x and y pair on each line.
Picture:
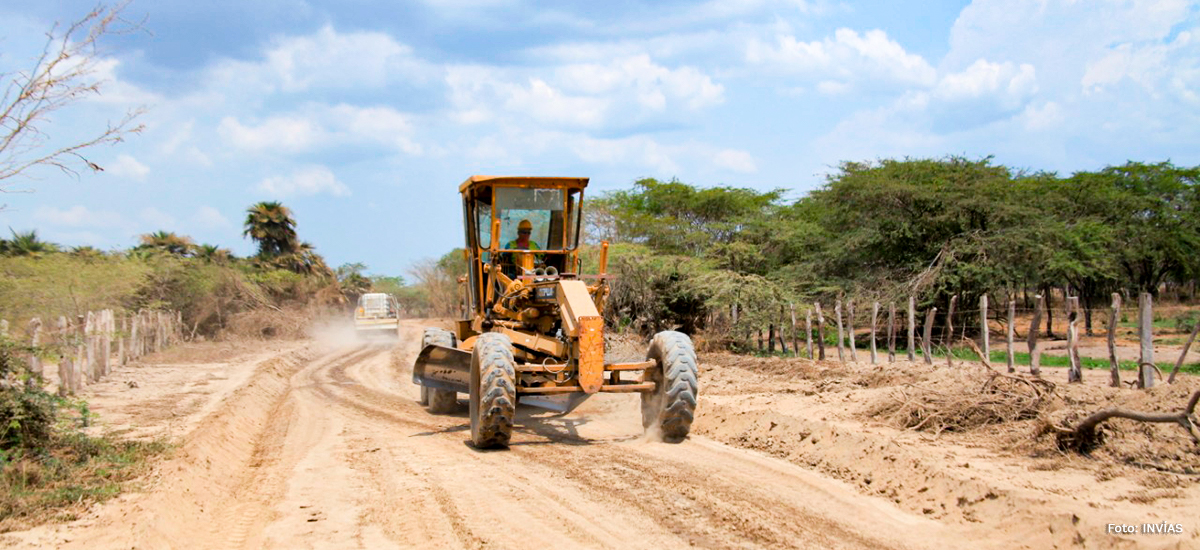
x,y
533,332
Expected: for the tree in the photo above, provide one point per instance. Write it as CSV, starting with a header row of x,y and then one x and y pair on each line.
x,y
1154,213
270,224
62,75
168,242
213,254
26,243
351,280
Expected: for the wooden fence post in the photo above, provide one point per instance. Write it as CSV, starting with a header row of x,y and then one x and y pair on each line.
x,y
1008,339
89,331
983,326
1183,354
1075,371
891,332
64,361
874,319
1035,358
106,335
35,339
795,342
121,344
80,351
927,345
1114,314
135,335
1146,334
808,332
850,331
912,328
950,332
837,310
820,332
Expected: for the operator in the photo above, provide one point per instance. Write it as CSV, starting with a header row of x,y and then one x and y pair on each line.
x,y
522,242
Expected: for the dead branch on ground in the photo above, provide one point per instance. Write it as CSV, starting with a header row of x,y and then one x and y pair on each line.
x,y
1086,436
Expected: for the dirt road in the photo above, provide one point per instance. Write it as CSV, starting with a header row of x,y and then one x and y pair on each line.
x,y
327,448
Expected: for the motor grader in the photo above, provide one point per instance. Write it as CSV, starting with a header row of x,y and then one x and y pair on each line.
x,y
533,332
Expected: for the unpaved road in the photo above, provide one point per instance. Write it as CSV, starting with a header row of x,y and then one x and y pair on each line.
x,y
326,447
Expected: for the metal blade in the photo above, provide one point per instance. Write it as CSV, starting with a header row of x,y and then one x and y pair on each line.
x,y
443,368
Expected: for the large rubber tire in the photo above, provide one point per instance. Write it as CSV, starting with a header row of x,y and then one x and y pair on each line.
x,y
439,401
493,391
669,409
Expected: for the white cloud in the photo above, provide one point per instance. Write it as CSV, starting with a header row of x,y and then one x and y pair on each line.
x,y
157,218
738,161
847,56
327,59
125,166
320,126
78,216
207,217
1006,80
620,92
309,180
279,133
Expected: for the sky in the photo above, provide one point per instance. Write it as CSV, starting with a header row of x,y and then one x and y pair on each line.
x,y
363,117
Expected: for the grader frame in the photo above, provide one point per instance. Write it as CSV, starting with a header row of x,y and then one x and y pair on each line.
x,y
533,329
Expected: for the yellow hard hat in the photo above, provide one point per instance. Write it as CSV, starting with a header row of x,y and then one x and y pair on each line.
x,y
525,226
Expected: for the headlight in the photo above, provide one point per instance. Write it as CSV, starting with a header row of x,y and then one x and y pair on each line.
x,y
544,293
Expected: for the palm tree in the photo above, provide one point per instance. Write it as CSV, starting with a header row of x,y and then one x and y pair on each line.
x,y
26,243
87,252
168,242
303,260
212,253
270,224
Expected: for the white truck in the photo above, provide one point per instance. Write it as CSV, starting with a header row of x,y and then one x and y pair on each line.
x,y
377,313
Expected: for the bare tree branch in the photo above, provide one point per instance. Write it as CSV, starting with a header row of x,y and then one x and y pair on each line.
x,y
63,74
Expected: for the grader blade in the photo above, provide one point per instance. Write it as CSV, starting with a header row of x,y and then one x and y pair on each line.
x,y
561,403
443,368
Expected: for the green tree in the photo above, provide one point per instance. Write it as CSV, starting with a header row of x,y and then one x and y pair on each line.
x,y
168,242
26,243
1153,211
212,253
271,226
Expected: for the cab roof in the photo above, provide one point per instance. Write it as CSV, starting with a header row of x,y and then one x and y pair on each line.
x,y
524,181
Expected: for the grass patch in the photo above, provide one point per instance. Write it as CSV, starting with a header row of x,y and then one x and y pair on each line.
x,y
1022,358
66,476
997,358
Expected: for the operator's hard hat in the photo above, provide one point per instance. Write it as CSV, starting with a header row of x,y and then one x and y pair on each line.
x,y
525,226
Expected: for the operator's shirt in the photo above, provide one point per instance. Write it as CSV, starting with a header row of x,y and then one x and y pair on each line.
x,y
513,245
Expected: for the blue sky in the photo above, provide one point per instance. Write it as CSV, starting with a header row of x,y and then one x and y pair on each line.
x,y
363,117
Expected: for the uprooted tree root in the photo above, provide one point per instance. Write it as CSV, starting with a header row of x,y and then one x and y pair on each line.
x,y
1087,435
1000,398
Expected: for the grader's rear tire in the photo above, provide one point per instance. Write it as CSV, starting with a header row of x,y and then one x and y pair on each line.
x,y
439,401
493,391
672,406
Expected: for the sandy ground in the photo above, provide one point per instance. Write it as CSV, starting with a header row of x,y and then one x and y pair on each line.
x,y
321,444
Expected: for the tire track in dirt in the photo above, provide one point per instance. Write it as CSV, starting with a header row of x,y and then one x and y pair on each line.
x,y
332,450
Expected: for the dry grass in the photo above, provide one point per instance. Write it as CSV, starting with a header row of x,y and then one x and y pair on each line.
x,y
67,476
961,401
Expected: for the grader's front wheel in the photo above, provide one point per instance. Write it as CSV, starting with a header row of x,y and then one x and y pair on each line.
x,y
439,401
672,406
493,391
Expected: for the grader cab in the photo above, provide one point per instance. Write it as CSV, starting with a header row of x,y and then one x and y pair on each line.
x,y
534,332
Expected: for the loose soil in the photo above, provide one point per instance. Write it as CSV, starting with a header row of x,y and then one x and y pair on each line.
x,y
321,444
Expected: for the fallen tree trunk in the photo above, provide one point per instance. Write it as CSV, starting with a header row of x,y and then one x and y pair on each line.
x,y
1086,436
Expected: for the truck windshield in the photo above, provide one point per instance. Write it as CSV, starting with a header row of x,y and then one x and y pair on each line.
x,y
546,212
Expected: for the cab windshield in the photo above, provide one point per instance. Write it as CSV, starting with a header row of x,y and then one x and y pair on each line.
x,y
551,213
